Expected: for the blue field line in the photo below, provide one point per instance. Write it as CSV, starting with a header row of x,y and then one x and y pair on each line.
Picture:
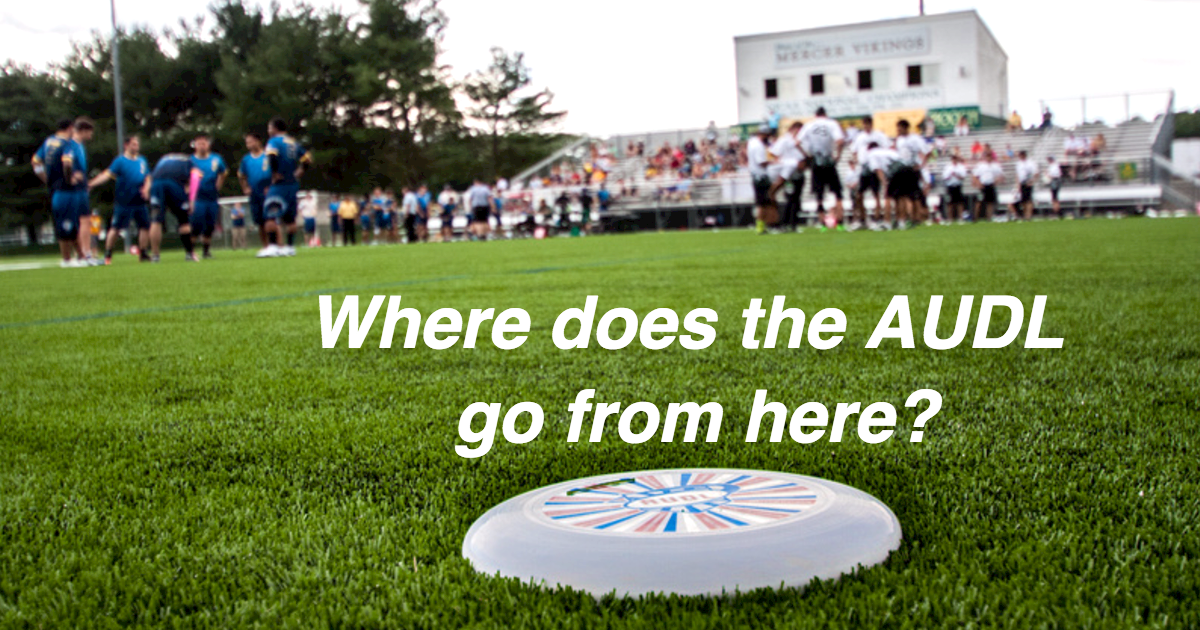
x,y
331,291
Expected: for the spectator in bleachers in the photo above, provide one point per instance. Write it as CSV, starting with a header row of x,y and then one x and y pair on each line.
x,y
963,128
928,129
1014,123
1047,119
1099,144
976,151
711,133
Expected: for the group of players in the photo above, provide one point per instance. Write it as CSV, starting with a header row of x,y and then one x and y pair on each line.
x,y
895,172
186,186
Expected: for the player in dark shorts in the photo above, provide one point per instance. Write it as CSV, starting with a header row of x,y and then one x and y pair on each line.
x,y
1054,177
172,185
585,200
823,140
479,198
206,211
255,175
287,159
130,171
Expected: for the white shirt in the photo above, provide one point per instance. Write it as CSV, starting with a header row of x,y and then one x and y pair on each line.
x,y
881,159
954,174
1026,171
912,149
447,198
308,207
988,172
480,196
501,184
410,205
863,140
787,150
756,154
819,138
1053,171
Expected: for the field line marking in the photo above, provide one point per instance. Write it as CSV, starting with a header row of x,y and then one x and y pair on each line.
x,y
335,290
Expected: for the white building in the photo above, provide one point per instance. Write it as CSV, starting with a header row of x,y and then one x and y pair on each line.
x,y
949,61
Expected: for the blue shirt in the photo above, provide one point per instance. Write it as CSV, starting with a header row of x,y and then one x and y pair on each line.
x,y
257,171
129,175
49,156
211,167
176,167
74,154
289,156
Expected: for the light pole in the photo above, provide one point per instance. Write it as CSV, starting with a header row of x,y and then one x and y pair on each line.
x,y
116,60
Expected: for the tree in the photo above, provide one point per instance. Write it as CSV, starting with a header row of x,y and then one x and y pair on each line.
x,y
30,105
501,106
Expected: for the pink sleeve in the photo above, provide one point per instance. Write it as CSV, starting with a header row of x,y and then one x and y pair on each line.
x,y
194,186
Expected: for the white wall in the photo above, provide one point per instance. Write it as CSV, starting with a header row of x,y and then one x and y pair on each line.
x,y
1185,155
993,76
948,46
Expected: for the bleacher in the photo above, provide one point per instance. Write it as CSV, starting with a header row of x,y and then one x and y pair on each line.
x,y
1119,178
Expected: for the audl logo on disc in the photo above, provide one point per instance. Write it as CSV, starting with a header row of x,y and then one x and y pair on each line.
x,y
687,531
674,503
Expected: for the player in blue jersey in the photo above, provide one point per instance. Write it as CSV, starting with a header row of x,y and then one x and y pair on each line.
x,y
48,166
335,222
424,200
132,174
207,209
173,185
254,172
69,203
287,159
381,213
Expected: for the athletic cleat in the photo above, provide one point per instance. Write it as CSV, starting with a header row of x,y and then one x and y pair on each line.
x,y
107,260
191,258
91,261
270,251
154,258
287,250
208,256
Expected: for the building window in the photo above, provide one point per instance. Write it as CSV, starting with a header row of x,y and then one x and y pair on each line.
x,y
816,84
914,76
772,88
864,80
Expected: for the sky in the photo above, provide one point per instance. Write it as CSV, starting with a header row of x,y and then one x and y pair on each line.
x,y
627,66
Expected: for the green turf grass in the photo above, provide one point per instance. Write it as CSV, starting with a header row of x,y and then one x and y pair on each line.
x,y
177,449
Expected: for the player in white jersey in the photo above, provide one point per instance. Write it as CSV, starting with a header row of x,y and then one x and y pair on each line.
x,y
954,176
987,174
822,140
885,163
867,180
1054,181
758,159
788,173
1027,170
914,153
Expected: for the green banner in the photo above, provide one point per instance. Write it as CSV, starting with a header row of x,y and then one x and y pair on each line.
x,y
947,117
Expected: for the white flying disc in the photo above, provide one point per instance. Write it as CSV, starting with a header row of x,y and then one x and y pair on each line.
x,y
688,531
